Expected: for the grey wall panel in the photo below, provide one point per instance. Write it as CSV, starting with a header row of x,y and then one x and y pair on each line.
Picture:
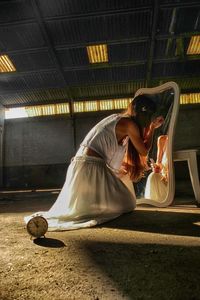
x,y
38,141
187,135
2,120
37,151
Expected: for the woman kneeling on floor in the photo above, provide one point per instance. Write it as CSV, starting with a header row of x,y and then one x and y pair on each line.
x,y
96,189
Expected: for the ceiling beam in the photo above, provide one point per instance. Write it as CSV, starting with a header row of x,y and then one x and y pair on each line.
x,y
180,57
180,4
48,41
103,13
102,84
144,38
152,43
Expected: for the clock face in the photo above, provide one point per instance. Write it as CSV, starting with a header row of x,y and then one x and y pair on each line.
x,y
37,226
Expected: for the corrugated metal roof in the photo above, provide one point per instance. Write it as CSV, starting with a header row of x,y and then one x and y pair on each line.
x,y
52,8
46,40
111,27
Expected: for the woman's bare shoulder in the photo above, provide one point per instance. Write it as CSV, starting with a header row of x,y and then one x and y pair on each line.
x,y
127,124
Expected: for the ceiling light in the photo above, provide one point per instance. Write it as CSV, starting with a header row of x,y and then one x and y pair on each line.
x,y
194,45
6,65
97,53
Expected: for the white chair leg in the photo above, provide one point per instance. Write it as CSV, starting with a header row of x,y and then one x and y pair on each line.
x,y
194,176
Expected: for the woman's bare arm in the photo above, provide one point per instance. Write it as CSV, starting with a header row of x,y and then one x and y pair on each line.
x,y
126,127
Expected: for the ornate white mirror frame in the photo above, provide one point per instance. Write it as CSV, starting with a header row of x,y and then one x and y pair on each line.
x,y
171,130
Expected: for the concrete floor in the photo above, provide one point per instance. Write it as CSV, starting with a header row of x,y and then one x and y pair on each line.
x,y
148,254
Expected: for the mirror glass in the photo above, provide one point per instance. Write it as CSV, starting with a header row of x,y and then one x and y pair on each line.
x,y
153,188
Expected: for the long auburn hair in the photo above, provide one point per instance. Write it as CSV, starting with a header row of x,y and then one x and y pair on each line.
x,y
135,163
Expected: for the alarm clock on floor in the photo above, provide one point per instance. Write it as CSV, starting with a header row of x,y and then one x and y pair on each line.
x,y
37,226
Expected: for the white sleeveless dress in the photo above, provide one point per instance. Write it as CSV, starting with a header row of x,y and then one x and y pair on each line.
x,y
92,193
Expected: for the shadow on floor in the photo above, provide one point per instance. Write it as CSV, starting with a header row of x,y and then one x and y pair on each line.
x,y
30,202
49,243
164,222
149,271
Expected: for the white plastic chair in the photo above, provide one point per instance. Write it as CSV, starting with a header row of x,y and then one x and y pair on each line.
x,y
190,155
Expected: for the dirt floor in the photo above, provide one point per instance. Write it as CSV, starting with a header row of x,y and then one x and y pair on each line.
x,y
148,254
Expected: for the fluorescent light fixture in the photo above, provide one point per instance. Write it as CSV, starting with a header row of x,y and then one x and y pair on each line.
x,y
97,53
194,45
6,65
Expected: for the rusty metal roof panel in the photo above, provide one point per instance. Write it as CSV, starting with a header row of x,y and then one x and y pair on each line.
x,y
99,28
191,14
20,36
176,20
36,97
52,8
165,48
46,41
176,69
107,90
29,81
189,83
128,51
73,57
46,79
32,61
125,52
102,75
15,11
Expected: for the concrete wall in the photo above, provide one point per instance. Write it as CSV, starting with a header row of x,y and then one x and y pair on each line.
x,y
2,118
187,134
37,151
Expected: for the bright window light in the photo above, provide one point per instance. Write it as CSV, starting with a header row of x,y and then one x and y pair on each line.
x,y
106,105
83,106
15,113
78,106
122,103
97,53
190,98
194,45
37,110
91,106
100,105
6,65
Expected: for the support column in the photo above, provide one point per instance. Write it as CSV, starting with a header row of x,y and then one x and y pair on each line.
x,y
2,118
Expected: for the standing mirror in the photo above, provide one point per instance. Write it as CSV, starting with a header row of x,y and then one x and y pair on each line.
x,y
157,187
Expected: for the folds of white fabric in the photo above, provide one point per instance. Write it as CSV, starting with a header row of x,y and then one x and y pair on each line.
x,y
91,195
156,189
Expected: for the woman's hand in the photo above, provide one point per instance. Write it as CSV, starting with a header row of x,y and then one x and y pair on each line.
x,y
155,167
157,122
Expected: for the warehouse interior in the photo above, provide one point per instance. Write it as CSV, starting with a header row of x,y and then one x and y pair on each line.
x,y
64,66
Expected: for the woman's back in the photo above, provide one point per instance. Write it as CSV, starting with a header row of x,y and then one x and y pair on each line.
x,y
102,139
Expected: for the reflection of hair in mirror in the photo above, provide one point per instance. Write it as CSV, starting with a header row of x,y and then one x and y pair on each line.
x,y
156,187
141,110
167,117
